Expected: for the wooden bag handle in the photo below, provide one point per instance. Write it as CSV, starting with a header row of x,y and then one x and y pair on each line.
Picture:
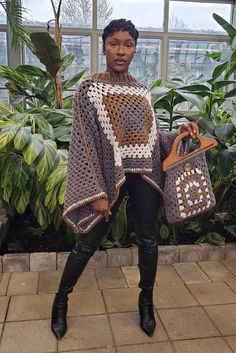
x,y
205,144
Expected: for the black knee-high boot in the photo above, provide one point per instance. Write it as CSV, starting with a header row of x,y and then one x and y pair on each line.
x,y
76,263
147,258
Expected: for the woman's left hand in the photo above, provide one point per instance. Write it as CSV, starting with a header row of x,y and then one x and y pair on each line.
x,y
191,128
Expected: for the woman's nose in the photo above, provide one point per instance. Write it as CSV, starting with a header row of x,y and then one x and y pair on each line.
x,y
121,50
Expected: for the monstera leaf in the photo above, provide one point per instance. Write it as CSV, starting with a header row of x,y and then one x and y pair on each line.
x,y
47,51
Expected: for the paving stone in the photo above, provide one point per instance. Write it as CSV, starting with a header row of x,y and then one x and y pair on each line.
x,y
30,307
96,350
186,323
173,296
168,254
216,271
119,257
134,255
15,262
224,317
126,330
213,252
121,299
230,251
231,265
190,272
232,284
49,281
99,259
3,307
212,293
43,261
23,283
162,347
232,342
203,345
28,337
110,278
190,253
61,260
86,332
166,274
87,280
4,281
132,275
86,303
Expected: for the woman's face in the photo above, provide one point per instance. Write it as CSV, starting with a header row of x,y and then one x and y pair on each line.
x,y
119,49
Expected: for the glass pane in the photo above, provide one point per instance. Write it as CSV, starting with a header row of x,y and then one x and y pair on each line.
x,y
3,49
188,58
78,45
3,18
193,17
74,13
3,54
4,97
133,10
146,62
31,59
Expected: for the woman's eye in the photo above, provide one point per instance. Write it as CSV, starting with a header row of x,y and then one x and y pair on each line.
x,y
129,45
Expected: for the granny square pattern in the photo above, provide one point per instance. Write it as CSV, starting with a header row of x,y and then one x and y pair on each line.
x,y
188,190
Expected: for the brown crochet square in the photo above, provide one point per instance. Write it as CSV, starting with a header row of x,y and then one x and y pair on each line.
x,y
115,104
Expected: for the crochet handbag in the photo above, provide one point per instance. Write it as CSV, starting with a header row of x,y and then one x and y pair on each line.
x,y
188,191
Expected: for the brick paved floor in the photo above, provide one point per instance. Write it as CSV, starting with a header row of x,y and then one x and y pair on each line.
x,y
195,306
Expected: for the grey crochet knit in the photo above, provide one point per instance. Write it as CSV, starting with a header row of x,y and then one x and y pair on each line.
x,y
114,132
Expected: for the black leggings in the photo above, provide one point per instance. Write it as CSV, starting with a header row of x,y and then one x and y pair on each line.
x,y
145,202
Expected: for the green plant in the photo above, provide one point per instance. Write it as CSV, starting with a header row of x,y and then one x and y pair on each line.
x,y
214,101
34,133
15,14
211,238
118,229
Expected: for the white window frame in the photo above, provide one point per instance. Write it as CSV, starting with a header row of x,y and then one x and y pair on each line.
x,y
17,58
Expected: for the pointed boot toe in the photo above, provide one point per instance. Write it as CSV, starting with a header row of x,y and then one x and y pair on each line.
x,y
59,312
148,326
59,330
146,313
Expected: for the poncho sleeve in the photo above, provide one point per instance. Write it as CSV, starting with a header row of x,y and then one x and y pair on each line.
x,y
84,176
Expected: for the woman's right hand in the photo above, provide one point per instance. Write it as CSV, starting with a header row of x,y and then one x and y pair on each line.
x,y
102,206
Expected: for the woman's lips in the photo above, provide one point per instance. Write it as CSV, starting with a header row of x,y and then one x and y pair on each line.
x,y
120,62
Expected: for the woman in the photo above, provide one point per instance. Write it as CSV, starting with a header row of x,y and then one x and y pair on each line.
x,y
115,147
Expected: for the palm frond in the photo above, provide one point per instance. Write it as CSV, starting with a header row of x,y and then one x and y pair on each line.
x,y
14,11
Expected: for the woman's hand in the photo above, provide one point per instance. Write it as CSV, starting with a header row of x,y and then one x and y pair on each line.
x,y
191,128
102,206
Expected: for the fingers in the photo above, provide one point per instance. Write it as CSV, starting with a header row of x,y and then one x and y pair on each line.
x,y
107,214
101,206
191,128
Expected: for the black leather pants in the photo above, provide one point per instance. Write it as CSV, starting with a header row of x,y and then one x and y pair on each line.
x,y
145,202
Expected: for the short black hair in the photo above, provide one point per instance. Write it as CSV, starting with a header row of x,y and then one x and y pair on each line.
x,y
120,25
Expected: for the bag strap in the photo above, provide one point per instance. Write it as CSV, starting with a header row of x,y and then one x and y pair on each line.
x,y
205,144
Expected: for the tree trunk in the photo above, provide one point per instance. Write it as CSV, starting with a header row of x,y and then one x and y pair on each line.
x,y
58,85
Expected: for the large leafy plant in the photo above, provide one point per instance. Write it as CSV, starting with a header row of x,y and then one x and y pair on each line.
x,y
214,101
35,130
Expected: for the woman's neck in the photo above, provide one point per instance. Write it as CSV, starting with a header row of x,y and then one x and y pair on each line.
x,y
110,75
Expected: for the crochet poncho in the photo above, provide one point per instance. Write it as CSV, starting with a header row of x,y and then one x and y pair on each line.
x,y
114,132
